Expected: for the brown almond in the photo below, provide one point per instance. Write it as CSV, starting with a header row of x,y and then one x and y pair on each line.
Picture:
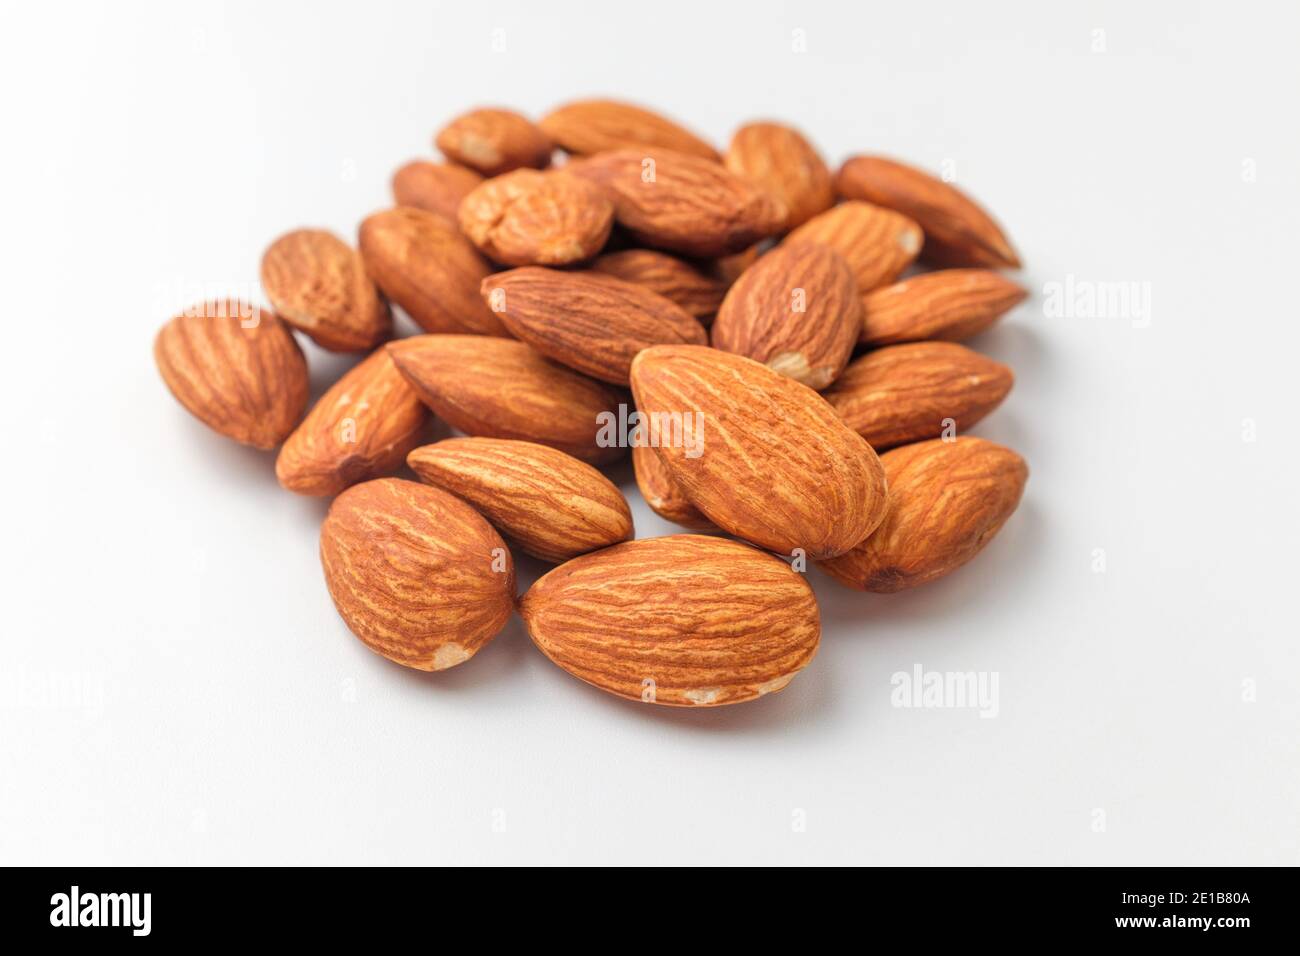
x,y
533,218
662,494
780,161
877,243
434,187
949,305
597,126
675,279
494,141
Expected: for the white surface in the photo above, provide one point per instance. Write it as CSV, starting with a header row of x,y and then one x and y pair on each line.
x,y
175,686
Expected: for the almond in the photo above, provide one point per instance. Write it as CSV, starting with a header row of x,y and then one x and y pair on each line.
x,y
780,161
361,428
596,126
554,506
679,281
434,187
427,267
685,620
500,388
877,243
662,494
682,203
796,311
236,368
947,499
907,393
418,575
494,141
532,218
952,304
589,321
762,456
957,231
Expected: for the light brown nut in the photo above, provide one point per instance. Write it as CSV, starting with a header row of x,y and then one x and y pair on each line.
x,y
784,164
427,267
908,393
947,499
434,187
675,279
877,243
418,575
950,305
236,368
957,231
361,428
532,218
662,494
589,321
494,141
500,388
682,203
762,456
685,620
797,311
552,505
597,126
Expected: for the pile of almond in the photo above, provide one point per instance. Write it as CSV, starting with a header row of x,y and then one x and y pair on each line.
x,y
750,327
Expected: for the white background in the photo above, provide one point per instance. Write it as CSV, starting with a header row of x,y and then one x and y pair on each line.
x,y
175,686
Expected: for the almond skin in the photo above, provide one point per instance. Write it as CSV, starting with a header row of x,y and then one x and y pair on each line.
x,y
949,305
360,429
427,267
780,161
434,187
774,464
418,575
500,388
532,218
597,126
681,203
552,505
797,311
679,281
685,620
662,494
903,393
236,368
947,499
877,243
589,321
957,231
493,142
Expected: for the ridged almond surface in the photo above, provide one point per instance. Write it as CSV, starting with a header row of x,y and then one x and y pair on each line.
x,y
673,201
957,231
797,310
679,281
783,163
904,393
947,499
500,388
554,506
773,462
590,321
877,243
494,141
950,305
236,368
598,126
361,428
533,218
418,575
685,620
318,284
662,494
434,187
427,267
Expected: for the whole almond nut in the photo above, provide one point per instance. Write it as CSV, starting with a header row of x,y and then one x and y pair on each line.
x,y
418,575
494,141
957,231
947,499
434,187
361,428
762,456
427,267
784,164
699,293
597,126
552,505
797,311
500,388
662,494
950,305
236,368
908,393
877,243
685,620
589,321
532,218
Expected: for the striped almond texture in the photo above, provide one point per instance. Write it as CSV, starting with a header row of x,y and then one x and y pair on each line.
x,y
877,243
537,218
695,291
950,305
780,161
597,126
492,142
434,187
662,494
